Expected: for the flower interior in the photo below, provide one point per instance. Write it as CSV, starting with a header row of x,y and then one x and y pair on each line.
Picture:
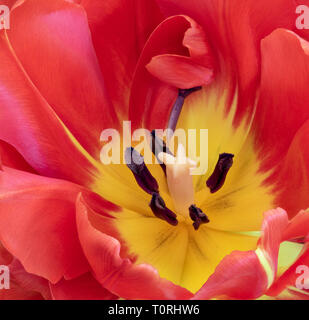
x,y
184,224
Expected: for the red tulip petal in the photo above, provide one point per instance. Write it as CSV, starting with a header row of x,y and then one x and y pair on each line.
x,y
179,71
239,275
120,275
23,285
274,224
18,293
29,124
196,42
37,224
281,110
186,72
84,287
151,99
282,116
291,176
53,43
5,257
27,281
8,3
119,30
235,29
298,227
11,158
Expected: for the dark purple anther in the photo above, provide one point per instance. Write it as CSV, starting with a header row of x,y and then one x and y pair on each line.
x,y
198,216
217,179
143,177
160,210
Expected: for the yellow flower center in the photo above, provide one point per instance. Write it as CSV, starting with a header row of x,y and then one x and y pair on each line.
x,y
180,253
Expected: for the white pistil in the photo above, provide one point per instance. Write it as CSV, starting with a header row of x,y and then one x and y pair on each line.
x,y
179,180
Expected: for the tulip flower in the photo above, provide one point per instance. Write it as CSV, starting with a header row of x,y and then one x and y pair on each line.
x,y
72,227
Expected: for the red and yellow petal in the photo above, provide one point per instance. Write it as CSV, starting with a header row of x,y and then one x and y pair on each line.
x,y
297,228
274,224
117,273
179,254
289,279
31,125
239,275
248,275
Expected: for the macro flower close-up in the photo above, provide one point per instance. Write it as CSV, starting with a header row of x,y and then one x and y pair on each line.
x,y
154,149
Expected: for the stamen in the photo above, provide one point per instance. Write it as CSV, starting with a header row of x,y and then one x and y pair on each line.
x,y
198,216
160,210
158,145
217,179
175,113
142,175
